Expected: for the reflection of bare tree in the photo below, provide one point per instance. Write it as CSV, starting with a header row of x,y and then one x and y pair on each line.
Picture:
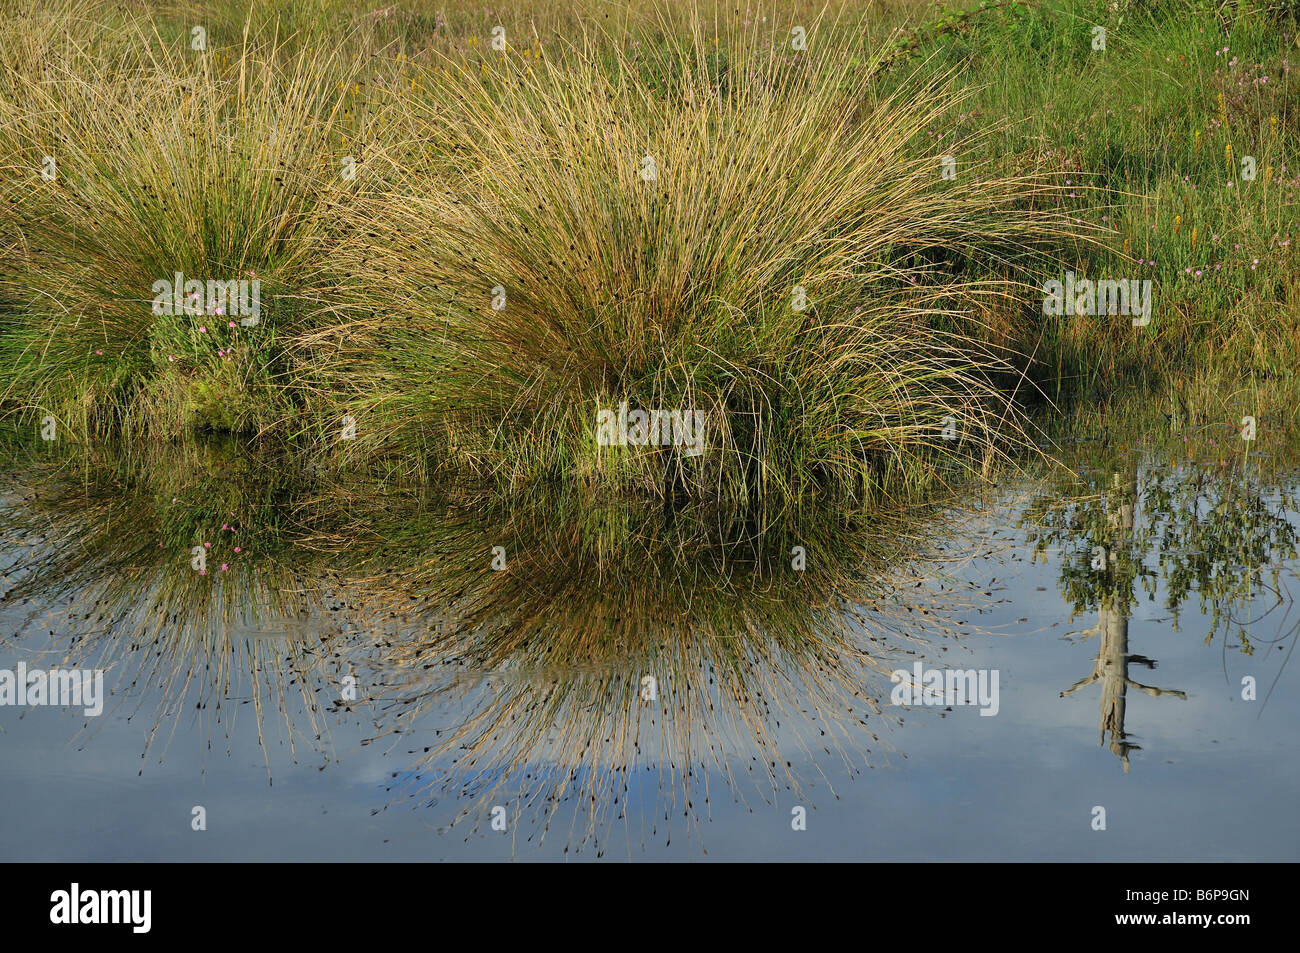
x,y
1111,669
1113,657
1189,512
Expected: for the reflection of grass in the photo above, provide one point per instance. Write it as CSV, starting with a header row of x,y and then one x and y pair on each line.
x,y
545,660
543,664
107,542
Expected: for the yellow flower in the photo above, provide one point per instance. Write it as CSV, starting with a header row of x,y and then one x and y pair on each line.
x,y
1178,220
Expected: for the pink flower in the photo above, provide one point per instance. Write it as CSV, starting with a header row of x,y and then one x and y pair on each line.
x,y
207,545
225,566
237,549
231,324
203,329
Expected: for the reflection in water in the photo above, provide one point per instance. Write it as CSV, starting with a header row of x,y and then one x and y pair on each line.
x,y
584,663
556,651
103,565
1113,658
1222,529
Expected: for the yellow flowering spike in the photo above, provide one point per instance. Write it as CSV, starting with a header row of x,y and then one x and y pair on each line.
x,y
1227,153
1193,238
1196,142
1178,220
1268,174
1126,248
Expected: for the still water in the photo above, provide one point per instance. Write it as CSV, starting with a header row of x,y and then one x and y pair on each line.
x,y
311,667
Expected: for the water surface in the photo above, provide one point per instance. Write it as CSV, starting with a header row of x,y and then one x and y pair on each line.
x,y
362,679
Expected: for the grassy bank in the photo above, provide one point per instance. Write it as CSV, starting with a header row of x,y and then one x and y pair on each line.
x,y
468,244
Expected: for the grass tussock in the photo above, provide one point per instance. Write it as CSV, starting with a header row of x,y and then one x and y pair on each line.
x,y
765,243
129,167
